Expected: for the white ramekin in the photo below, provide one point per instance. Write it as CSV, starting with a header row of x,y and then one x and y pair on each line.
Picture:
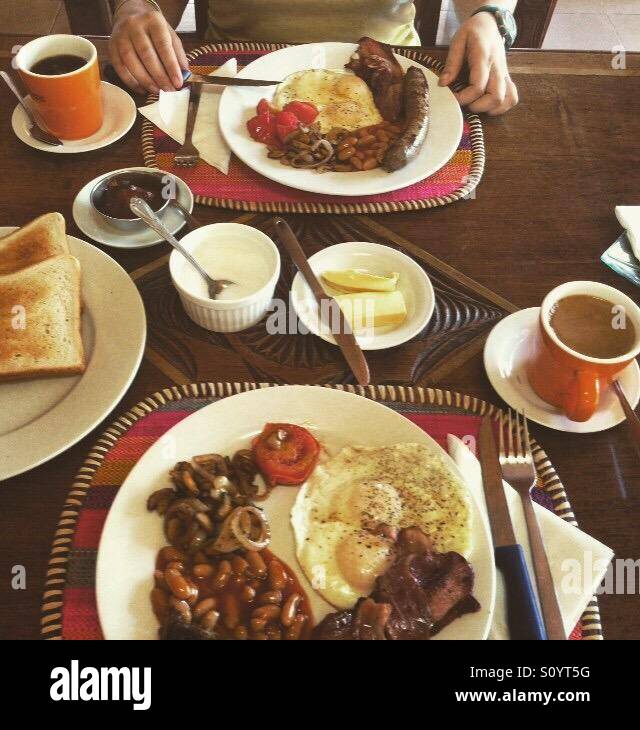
x,y
228,315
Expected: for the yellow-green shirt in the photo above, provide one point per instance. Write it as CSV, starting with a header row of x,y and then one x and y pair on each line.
x,y
306,21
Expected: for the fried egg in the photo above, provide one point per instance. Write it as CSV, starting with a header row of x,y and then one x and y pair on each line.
x,y
342,99
337,511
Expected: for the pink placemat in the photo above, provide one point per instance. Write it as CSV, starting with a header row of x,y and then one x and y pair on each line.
x,y
245,189
69,603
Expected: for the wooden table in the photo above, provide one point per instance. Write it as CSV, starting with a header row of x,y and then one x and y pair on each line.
x,y
543,213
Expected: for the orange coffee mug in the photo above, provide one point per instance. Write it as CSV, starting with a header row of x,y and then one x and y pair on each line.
x,y
567,379
69,104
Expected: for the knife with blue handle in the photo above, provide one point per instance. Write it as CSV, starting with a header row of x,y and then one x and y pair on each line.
x,y
523,613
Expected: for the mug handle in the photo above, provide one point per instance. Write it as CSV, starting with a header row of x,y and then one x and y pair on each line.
x,y
582,396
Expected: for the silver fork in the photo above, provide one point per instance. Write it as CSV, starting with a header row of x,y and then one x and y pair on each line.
x,y
518,469
188,155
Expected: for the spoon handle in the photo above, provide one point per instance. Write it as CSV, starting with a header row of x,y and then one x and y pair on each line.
x,y
633,422
141,208
9,82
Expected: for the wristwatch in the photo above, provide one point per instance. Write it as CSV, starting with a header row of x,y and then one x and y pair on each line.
x,y
505,20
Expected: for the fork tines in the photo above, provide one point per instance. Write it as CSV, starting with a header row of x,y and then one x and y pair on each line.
x,y
522,451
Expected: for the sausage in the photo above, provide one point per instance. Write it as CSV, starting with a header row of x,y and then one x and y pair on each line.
x,y
415,92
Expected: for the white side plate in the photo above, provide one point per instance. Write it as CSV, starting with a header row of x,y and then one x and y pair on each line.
x,y
45,416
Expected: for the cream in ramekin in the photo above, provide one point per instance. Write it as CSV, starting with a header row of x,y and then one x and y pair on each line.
x,y
227,251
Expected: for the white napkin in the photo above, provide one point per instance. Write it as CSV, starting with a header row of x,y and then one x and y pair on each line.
x,y
629,217
170,114
578,562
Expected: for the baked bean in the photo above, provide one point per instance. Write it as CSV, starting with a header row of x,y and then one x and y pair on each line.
x,y
174,529
356,162
268,613
259,636
176,565
237,581
258,624
222,576
231,611
159,581
204,606
346,153
277,576
393,129
366,141
382,135
342,168
209,620
294,631
248,594
193,597
160,604
370,163
239,565
169,554
274,597
257,564
273,633
182,607
203,570
240,633
178,584
289,609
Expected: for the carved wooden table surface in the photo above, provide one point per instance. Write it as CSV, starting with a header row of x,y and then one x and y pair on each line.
x,y
543,213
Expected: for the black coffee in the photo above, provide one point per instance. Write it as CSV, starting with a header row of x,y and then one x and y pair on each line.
x,y
63,63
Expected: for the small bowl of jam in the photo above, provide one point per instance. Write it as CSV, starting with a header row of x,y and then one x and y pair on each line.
x,y
110,196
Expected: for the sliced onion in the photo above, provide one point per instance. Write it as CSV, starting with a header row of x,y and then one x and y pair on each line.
x,y
245,540
295,162
232,537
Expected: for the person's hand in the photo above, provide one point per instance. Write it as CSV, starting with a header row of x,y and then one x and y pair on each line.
x,y
490,89
145,50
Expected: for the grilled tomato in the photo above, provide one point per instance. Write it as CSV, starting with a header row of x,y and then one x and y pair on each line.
x,y
285,454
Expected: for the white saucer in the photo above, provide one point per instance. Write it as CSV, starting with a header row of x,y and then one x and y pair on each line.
x,y
505,354
92,224
414,284
119,116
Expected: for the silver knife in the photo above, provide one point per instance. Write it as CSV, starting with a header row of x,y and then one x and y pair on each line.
x,y
193,78
523,614
344,337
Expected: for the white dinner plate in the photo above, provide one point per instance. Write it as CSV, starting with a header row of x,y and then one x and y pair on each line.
x,y
45,416
132,536
92,224
119,116
506,352
238,105
414,284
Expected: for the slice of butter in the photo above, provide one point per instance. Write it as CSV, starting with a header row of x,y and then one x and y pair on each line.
x,y
367,310
352,280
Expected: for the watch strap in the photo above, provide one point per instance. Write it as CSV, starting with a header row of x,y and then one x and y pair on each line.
x,y
505,21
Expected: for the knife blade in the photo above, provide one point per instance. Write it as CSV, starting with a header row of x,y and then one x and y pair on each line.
x,y
523,613
345,339
193,78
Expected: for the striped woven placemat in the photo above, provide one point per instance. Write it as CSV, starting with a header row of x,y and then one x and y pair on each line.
x,y
69,603
246,190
